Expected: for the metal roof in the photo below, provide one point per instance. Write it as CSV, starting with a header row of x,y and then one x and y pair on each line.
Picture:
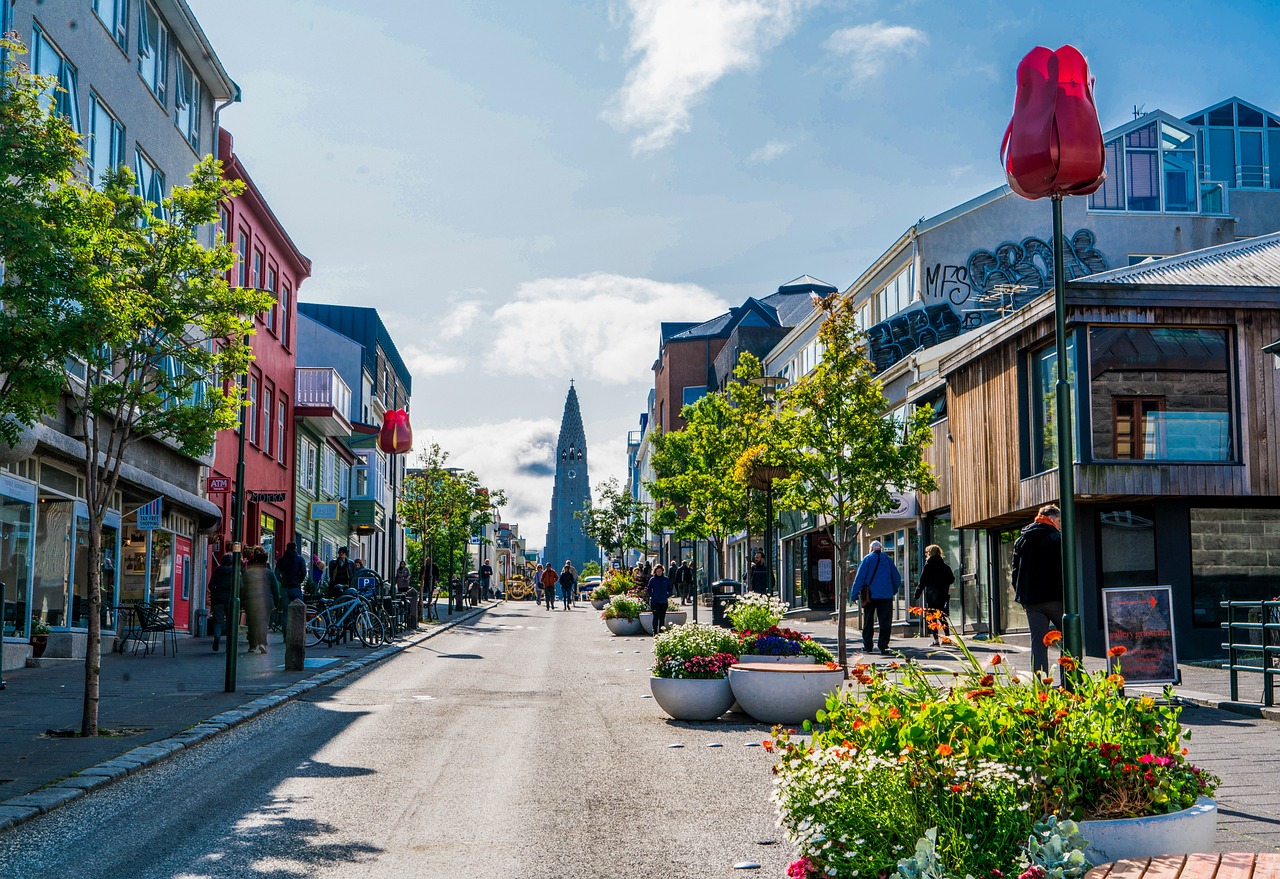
x,y
1253,262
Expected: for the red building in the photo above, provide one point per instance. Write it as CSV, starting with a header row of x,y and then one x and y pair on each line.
x,y
266,258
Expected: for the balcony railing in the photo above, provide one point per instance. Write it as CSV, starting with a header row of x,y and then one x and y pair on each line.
x,y
321,387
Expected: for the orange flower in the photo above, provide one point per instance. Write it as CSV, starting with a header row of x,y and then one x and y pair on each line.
x,y
987,680
1118,680
1044,697
1117,651
975,695
1068,663
946,640
894,713
915,611
996,660
1052,637
944,750
833,666
1029,711
767,744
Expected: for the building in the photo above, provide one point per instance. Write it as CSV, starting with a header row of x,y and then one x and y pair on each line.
x,y
570,493
266,259
378,381
143,86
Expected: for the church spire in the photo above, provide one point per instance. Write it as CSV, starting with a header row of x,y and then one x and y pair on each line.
x,y
571,491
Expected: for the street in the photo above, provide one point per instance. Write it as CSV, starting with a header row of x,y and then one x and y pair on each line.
x,y
518,745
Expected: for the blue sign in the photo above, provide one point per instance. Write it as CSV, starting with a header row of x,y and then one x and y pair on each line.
x,y
149,516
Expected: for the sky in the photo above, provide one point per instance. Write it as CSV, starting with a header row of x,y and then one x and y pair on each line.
x,y
525,189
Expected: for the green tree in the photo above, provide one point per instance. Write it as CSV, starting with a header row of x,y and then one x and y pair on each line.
x,y
846,452
614,520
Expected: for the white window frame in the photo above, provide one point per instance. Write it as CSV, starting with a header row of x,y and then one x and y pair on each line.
x,y
64,100
114,15
114,136
282,405
186,102
150,181
153,49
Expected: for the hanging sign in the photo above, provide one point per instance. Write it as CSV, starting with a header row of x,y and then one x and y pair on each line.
x,y
327,512
217,484
1140,619
149,515
267,497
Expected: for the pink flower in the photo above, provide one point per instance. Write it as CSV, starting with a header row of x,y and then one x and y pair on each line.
x,y
802,869
1146,758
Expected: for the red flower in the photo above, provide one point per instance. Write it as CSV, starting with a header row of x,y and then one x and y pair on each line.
x,y
1117,651
987,680
944,750
1053,145
1068,663
767,744
1052,637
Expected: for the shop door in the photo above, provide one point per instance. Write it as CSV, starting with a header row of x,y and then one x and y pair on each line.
x,y
822,573
182,583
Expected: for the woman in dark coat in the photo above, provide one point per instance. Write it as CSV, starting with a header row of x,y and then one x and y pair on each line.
x,y
935,584
568,584
260,587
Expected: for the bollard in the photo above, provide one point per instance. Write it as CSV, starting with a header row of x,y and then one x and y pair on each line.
x,y
415,608
295,636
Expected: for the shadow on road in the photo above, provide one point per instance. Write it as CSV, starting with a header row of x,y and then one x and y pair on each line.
x,y
270,845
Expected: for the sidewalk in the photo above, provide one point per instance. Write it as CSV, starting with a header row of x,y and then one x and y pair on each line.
x,y
149,700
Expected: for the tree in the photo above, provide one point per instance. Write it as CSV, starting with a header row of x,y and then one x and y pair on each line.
x,y
846,452
615,521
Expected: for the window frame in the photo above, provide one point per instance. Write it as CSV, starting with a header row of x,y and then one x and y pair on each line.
x,y
65,101
187,99
118,26
268,414
149,186
282,407
156,77
116,147
252,409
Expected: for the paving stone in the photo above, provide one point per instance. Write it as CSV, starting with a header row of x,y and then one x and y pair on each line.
x,y
47,799
85,782
108,772
11,815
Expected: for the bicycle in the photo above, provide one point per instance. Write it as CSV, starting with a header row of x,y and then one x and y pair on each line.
x,y
347,615
519,589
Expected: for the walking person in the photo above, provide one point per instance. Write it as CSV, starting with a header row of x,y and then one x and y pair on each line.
x,y
880,576
220,585
683,579
259,587
291,571
342,574
486,575
1037,579
935,586
537,584
759,574
568,583
659,597
403,578
549,580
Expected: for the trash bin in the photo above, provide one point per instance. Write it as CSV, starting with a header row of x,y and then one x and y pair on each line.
x,y
724,593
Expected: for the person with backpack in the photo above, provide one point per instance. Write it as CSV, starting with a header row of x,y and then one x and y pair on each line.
x,y
1037,580
935,586
549,580
220,586
879,576
568,583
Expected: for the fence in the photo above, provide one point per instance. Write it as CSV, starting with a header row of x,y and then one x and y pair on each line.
x,y
1253,644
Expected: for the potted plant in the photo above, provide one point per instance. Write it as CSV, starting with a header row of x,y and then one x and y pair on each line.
x,y
689,671
600,596
979,759
622,615
39,637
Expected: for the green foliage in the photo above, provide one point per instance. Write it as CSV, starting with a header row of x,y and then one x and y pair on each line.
x,y
981,760
617,582
815,649
755,613
674,647
1054,850
624,607
40,627
615,520
600,593
591,569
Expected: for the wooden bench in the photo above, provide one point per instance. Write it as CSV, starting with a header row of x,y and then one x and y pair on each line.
x,y
1233,865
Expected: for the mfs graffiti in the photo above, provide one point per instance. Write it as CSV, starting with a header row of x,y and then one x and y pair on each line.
x,y
961,297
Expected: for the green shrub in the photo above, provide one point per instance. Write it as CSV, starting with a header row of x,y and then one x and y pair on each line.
x,y
600,593
674,647
623,607
755,613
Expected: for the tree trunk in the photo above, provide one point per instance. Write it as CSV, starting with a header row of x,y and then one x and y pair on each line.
x,y
93,642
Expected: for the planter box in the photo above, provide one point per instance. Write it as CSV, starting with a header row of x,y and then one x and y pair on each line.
x,y
692,699
1178,833
599,603
624,627
674,618
788,693
757,658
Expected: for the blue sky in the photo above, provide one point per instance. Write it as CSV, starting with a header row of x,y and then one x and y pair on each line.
x,y
526,189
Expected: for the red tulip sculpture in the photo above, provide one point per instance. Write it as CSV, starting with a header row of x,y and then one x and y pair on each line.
x,y
395,437
1053,145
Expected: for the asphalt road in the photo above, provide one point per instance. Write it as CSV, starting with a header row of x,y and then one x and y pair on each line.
x,y
518,745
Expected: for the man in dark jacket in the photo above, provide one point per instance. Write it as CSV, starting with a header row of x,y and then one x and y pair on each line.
x,y
220,585
683,578
291,570
1037,579
342,573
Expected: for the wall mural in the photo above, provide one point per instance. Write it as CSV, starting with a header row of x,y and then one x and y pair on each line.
x,y
958,298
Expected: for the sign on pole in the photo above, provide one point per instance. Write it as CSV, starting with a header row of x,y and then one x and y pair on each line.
x,y
217,484
149,515
1140,619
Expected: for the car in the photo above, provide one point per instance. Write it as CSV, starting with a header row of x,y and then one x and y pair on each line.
x,y
586,584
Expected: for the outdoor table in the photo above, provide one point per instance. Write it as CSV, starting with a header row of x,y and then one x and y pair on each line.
x,y
128,625
1211,865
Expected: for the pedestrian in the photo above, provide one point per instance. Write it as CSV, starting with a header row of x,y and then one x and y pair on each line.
x,y
403,577
259,587
291,573
936,578
880,576
537,584
220,586
659,597
1037,579
759,574
640,577
341,574
317,573
486,576
549,580
568,583
684,582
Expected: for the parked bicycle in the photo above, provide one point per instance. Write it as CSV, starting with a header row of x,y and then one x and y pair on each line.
x,y
344,617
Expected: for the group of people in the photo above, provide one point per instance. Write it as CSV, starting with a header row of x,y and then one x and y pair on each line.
x,y
547,579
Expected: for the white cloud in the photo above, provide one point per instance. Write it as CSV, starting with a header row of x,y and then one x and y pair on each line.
x,y
774,149
598,327
870,46
428,363
684,48
457,322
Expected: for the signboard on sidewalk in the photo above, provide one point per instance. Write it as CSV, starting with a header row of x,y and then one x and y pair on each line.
x,y
1140,619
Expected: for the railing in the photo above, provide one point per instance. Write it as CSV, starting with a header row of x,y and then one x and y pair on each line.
x,y
320,386
1253,644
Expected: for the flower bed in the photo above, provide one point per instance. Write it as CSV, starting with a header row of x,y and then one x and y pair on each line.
x,y
978,761
775,641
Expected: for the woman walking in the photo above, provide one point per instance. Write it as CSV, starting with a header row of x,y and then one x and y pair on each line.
x,y
549,580
568,583
935,585
259,587
659,597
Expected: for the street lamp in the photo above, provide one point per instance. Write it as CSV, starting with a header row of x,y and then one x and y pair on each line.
x,y
237,537
455,596
763,477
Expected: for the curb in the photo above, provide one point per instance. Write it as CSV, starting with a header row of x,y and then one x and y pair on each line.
x,y
20,810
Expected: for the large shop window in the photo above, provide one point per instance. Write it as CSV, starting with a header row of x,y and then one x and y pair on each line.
x,y
1233,557
1044,403
15,554
1160,394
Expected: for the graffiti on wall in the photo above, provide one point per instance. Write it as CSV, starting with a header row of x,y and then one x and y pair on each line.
x,y
961,297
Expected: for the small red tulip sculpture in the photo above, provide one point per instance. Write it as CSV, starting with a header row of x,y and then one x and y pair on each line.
x,y
1053,145
395,437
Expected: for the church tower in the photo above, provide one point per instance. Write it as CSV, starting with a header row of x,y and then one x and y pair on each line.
x,y
572,492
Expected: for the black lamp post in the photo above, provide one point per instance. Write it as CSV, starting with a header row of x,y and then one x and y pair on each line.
x,y
237,537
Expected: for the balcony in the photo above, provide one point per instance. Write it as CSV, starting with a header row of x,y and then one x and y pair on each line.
x,y
322,400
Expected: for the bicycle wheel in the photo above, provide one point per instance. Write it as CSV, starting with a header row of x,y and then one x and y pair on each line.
x,y
368,629
318,628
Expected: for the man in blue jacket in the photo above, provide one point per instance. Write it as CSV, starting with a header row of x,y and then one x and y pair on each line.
x,y
878,572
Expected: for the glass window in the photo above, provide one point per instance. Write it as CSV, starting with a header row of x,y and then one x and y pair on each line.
x,y
1110,196
242,257
15,558
329,472
1142,169
162,569
1247,117
286,297
1179,150
693,394
252,410
48,61
271,286
80,594
1224,115
153,49
1222,155
150,182
344,480
1251,165
52,567
281,433
255,281
268,409
106,142
1044,404
186,103
114,14
1229,560
1273,158
1160,394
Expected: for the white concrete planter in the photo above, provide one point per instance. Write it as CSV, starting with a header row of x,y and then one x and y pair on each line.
x,y
756,658
787,693
674,618
599,603
692,699
1178,833
623,627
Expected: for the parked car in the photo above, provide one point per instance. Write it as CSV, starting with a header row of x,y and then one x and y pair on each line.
x,y
586,584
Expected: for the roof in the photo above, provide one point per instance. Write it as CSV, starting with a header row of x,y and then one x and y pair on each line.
x,y
1253,262
365,326
785,308
195,46
806,283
